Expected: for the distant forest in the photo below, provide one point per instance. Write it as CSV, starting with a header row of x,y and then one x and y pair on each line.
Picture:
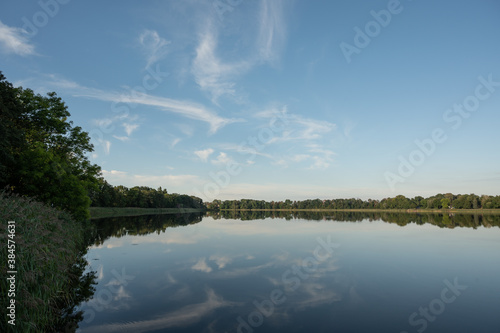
x,y
439,201
106,195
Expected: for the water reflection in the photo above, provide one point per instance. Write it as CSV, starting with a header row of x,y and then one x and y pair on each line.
x,y
402,219
264,272
104,228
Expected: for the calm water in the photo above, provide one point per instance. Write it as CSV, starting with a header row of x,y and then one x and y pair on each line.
x,y
308,273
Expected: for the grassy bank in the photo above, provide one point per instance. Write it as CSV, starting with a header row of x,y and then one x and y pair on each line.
x,y
98,212
48,261
435,211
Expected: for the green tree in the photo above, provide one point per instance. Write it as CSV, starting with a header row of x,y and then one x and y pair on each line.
x,y
445,203
11,135
45,155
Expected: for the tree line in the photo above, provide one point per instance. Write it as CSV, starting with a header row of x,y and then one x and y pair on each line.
x,y
438,201
45,156
108,195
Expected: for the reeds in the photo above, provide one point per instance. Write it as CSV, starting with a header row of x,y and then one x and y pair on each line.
x,y
49,248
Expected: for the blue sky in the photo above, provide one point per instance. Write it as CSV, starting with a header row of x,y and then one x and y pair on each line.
x,y
272,99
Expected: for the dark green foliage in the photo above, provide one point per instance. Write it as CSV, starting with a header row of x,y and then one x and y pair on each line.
x,y
107,195
43,154
439,201
11,134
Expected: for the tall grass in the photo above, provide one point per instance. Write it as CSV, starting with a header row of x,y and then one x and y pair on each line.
x,y
49,248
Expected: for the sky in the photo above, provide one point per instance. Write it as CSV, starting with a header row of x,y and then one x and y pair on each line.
x,y
272,100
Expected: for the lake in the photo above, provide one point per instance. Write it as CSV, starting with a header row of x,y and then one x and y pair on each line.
x,y
283,272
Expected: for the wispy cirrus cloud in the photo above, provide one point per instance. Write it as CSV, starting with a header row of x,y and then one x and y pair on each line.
x,y
297,128
121,138
218,76
105,144
154,46
14,40
108,124
272,30
181,317
322,158
211,73
185,108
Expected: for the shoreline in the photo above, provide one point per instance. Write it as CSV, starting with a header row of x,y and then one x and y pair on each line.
x,y
368,210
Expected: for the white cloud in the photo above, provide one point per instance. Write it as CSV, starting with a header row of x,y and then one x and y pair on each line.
x,y
106,146
202,266
14,40
310,128
175,142
272,32
114,173
129,128
100,273
102,122
121,138
222,158
221,261
218,76
210,73
245,148
204,154
320,163
107,125
315,294
323,157
307,133
300,157
294,126
185,108
153,45
184,316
